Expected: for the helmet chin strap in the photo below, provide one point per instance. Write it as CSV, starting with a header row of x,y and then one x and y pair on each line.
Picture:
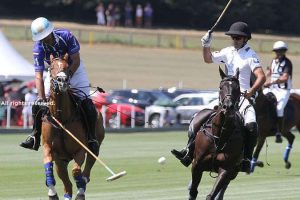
x,y
242,45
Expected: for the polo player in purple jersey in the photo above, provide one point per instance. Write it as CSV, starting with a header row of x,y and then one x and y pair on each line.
x,y
58,42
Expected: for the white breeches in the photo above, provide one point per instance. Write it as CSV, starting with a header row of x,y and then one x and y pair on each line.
x,y
247,111
282,96
79,80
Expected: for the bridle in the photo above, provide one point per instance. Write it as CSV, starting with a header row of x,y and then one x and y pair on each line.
x,y
234,98
61,80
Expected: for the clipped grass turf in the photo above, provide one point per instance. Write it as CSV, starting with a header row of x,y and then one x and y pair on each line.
x,y
22,173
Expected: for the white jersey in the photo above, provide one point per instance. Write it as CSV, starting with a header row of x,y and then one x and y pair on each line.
x,y
245,59
279,67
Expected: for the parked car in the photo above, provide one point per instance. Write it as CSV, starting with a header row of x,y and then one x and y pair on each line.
x,y
174,92
161,111
180,110
111,115
99,99
189,104
111,112
140,98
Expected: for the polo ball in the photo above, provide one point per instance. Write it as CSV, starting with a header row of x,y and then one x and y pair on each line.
x,y
161,160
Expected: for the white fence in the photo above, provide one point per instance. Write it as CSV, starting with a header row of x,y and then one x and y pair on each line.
x,y
118,119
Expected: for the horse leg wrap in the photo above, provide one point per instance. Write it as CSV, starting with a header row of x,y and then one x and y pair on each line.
x,y
253,164
80,183
287,153
67,197
50,181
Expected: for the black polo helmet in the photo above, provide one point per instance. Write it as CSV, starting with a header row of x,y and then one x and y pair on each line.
x,y
239,28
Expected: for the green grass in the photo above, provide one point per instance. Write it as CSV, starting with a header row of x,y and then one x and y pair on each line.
x,y
22,175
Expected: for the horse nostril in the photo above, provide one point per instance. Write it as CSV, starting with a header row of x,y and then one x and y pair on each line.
x,y
224,106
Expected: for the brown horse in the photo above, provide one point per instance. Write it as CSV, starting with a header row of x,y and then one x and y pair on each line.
x,y
57,145
266,119
219,142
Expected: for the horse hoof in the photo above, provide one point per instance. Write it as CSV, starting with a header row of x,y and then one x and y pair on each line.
x,y
288,165
209,197
259,163
55,197
80,197
192,198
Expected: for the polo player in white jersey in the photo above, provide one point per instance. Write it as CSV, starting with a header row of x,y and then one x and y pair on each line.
x,y
238,56
280,82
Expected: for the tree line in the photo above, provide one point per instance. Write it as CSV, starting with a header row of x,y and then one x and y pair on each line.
x,y
263,16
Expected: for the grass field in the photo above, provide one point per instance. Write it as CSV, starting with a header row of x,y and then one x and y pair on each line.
x,y
22,178
148,68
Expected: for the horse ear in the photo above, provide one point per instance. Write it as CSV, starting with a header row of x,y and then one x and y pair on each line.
x,y
237,73
222,74
51,57
66,56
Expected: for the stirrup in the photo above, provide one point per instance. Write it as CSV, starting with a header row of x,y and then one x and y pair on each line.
x,y
180,154
29,144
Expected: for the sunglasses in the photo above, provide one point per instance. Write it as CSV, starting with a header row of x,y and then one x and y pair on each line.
x,y
236,37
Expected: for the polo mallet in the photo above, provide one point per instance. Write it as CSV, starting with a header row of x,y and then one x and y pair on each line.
x,y
111,178
220,17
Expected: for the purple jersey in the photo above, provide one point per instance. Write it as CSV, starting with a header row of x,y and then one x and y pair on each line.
x,y
65,42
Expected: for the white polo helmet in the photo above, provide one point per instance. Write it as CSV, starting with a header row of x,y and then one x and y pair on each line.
x,y
41,28
280,45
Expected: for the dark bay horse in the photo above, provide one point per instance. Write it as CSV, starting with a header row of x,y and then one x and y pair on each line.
x,y
219,142
266,119
57,145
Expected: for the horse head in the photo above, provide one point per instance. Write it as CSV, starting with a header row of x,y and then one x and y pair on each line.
x,y
58,72
229,93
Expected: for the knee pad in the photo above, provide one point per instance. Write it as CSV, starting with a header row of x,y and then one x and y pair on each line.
x,y
89,107
252,129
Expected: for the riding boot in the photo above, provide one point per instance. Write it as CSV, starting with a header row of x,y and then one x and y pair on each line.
x,y
91,114
33,140
279,130
251,135
186,155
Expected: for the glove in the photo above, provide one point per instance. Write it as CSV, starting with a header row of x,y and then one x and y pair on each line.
x,y
206,39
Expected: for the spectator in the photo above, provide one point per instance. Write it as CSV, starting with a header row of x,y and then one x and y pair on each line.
x,y
167,119
110,15
2,104
148,13
117,15
30,98
128,14
139,16
100,14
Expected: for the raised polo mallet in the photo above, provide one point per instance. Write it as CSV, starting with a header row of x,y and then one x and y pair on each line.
x,y
220,17
114,175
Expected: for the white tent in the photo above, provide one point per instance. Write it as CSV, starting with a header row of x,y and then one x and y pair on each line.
x,y
12,64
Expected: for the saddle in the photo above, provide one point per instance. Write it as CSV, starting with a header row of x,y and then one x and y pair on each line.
x,y
82,115
199,119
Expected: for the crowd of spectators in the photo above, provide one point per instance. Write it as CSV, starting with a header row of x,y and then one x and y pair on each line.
x,y
114,15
